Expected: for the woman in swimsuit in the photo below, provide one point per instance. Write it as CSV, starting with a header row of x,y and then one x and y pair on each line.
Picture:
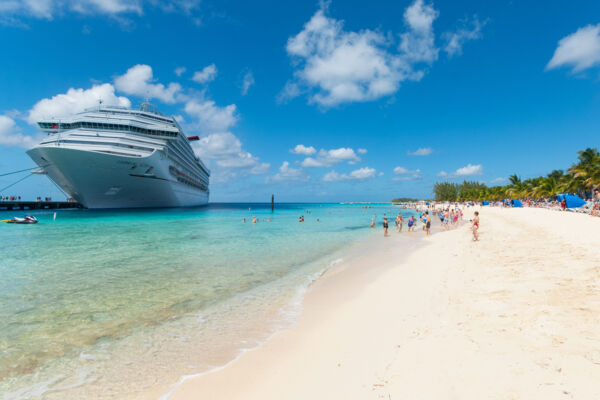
x,y
427,222
476,227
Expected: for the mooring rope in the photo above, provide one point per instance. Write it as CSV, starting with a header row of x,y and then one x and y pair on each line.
x,y
13,184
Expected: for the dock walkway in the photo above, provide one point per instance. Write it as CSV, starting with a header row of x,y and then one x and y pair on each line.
x,y
37,205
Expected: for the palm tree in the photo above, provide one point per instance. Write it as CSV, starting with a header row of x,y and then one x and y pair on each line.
x,y
588,168
548,187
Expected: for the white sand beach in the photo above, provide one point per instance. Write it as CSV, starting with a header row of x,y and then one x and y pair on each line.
x,y
514,316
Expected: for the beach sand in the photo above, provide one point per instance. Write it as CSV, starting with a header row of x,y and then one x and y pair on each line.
x,y
514,316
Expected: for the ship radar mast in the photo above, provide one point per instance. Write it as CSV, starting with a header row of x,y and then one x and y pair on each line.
x,y
146,106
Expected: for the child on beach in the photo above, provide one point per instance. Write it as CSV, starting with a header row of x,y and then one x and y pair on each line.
x,y
476,227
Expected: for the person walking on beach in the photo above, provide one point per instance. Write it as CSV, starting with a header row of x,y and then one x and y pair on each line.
x,y
399,222
476,227
427,223
385,226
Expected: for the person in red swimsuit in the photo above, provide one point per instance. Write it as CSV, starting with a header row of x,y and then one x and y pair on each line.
x,y
476,227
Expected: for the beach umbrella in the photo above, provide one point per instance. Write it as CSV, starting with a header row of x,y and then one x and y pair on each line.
x,y
485,203
517,203
572,200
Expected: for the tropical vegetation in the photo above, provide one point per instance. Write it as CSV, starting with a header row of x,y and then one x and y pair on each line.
x,y
582,178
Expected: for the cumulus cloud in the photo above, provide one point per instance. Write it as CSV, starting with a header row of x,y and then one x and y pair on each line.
x,y
302,149
10,135
286,173
468,170
210,117
470,30
361,151
74,101
180,71
207,74
327,158
499,180
337,66
138,81
11,10
579,50
247,82
423,151
418,44
225,149
359,174
404,174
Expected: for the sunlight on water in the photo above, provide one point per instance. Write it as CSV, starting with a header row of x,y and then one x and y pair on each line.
x,y
97,289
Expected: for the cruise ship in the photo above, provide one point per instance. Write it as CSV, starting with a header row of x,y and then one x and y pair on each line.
x,y
115,157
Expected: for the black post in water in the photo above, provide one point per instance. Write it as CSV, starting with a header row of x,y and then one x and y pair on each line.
x,y
272,202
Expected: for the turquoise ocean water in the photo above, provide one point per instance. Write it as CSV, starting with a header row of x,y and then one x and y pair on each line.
x,y
97,304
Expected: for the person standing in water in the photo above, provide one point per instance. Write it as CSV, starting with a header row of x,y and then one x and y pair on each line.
x,y
385,226
399,222
476,227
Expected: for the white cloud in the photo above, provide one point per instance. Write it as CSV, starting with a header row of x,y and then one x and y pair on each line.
x,y
455,40
231,160
138,80
498,180
10,136
286,173
48,9
404,174
579,50
247,82
338,66
74,101
418,44
180,71
363,173
361,151
326,158
210,117
468,170
359,174
208,73
423,151
302,149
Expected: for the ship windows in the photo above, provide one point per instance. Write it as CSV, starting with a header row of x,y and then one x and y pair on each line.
x,y
102,126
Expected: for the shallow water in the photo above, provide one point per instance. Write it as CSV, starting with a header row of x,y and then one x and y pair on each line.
x,y
104,303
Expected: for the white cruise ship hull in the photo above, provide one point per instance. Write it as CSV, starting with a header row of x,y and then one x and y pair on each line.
x,y
100,180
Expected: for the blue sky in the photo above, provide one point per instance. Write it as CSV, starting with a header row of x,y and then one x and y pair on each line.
x,y
385,98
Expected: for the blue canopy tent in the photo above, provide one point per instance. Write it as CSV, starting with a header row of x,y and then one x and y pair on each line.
x,y
572,200
485,203
516,203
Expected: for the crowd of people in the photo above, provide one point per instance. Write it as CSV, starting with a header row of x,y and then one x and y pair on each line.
x,y
591,204
450,216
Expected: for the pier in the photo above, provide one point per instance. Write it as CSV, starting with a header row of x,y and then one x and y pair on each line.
x,y
37,205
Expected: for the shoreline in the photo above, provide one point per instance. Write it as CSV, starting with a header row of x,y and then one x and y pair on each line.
x,y
347,266
452,311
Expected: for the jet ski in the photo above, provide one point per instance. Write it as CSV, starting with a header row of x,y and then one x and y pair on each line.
x,y
28,219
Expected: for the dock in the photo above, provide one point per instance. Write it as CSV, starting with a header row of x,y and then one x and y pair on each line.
x,y
37,205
